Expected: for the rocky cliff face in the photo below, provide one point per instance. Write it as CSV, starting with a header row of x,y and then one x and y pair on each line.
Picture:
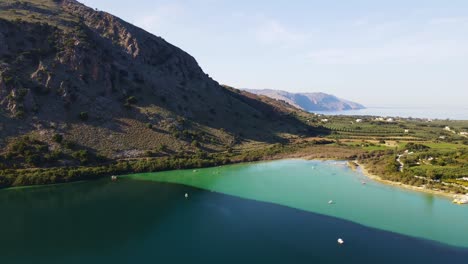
x,y
66,68
97,56
310,101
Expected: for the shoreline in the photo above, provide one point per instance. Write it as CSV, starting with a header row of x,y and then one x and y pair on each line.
x,y
352,164
362,168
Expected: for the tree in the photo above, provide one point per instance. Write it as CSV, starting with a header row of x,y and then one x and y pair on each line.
x,y
83,156
416,146
433,175
392,165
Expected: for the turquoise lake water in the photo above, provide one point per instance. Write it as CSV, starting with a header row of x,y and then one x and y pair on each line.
x,y
310,185
268,212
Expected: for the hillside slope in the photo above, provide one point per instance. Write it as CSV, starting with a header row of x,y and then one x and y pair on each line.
x,y
76,81
310,101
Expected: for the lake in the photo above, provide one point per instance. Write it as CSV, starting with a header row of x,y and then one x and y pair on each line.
x,y
268,212
436,112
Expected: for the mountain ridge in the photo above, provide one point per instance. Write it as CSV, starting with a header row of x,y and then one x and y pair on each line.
x,y
317,101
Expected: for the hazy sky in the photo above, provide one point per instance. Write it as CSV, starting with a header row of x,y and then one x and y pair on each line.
x,y
395,52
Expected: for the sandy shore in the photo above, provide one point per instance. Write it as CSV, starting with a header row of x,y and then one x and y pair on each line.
x,y
364,171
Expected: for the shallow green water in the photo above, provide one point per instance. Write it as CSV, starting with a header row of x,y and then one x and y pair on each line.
x,y
309,185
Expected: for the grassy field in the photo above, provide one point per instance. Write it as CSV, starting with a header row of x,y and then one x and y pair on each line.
x,y
434,153
398,129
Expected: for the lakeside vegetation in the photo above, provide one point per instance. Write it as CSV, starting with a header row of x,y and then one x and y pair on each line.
x,y
431,154
431,157
52,175
36,176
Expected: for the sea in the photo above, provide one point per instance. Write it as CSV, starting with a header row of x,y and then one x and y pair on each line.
x,y
435,112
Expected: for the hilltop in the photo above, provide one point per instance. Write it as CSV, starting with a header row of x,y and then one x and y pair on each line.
x,y
80,86
310,101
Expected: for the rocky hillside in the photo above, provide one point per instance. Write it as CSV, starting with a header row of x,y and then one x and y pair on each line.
x,y
76,81
310,101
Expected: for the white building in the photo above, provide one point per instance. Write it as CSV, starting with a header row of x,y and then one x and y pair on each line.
x,y
358,120
406,130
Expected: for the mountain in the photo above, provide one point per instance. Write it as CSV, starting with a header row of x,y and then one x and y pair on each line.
x,y
310,101
76,80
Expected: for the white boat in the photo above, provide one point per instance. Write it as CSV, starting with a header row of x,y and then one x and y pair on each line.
x,y
340,241
330,202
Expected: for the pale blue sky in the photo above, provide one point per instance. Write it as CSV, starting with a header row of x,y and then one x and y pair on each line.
x,y
395,52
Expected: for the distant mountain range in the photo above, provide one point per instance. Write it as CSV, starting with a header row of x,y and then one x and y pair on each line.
x,y
310,101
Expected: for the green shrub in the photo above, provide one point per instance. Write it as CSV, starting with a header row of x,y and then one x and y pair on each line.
x,y
33,160
195,143
69,145
20,114
57,138
53,156
162,147
83,156
8,79
21,94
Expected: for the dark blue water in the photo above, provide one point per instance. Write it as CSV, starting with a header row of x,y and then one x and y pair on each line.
x,y
148,222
